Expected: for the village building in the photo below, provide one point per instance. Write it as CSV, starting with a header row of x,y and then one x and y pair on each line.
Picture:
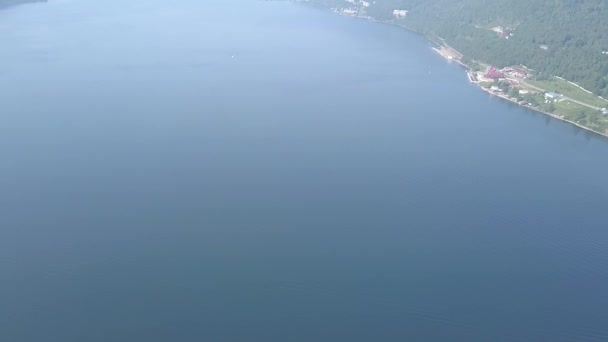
x,y
515,72
400,13
503,32
551,95
493,74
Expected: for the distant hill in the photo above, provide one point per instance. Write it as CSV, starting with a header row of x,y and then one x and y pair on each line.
x,y
7,3
567,38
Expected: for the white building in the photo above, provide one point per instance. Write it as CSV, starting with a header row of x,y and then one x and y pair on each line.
x,y
551,95
400,13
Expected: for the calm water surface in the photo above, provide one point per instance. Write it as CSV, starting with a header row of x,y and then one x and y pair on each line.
x,y
260,171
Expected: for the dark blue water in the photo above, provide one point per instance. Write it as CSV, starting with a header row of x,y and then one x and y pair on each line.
x,y
261,171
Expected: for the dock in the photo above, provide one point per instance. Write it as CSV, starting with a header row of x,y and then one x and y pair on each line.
x,y
448,53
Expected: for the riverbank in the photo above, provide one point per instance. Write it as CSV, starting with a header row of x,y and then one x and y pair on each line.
x,y
536,109
453,55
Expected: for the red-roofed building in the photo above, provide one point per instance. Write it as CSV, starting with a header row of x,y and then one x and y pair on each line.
x,y
494,74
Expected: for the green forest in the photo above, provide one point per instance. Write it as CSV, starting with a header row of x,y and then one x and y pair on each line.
x,y
566,38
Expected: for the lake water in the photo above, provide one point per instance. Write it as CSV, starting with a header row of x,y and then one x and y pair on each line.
x,y
263,171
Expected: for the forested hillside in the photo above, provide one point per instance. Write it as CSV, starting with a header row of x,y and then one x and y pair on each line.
x,y
567,38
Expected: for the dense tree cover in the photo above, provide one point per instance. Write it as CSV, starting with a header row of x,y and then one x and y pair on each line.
x,y
574,33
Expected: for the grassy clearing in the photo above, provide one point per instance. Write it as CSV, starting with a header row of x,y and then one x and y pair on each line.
x,y
563,87
569,108
582,115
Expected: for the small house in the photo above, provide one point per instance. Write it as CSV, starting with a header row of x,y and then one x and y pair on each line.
x,y
551,95
519,73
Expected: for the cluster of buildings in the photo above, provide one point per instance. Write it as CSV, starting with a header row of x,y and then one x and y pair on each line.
x,y
400,13
497,90
509,79
357,7
494,74
359,2
503,32
515,72
508,73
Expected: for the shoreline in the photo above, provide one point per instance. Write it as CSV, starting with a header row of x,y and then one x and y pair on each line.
x,y
555,116
441,47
